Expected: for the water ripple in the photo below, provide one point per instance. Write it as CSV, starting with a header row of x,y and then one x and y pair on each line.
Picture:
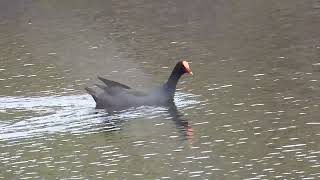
x,y
70,114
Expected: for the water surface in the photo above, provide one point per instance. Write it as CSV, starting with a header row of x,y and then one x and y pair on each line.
x,y
251,111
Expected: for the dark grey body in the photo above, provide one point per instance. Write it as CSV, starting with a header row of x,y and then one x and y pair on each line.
x,y
117,96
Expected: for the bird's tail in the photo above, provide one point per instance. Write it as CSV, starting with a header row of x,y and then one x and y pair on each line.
x,y
92,93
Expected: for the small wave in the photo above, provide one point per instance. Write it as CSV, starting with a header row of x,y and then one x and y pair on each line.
x,y
71,114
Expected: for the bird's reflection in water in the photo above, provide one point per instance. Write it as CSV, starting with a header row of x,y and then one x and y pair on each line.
x,y
112,121
181,123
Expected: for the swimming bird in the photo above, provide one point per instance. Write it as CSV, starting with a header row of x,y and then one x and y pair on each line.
x,y
117,96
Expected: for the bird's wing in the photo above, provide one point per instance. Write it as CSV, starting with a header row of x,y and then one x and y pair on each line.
x,y
136,93
110,83
117,90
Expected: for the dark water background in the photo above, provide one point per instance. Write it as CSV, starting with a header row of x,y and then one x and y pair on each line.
x,y
251,111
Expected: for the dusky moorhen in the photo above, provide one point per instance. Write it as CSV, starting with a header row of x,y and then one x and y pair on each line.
x,y
116,96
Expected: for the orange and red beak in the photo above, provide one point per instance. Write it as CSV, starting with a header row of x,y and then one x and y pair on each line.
x,y
187,67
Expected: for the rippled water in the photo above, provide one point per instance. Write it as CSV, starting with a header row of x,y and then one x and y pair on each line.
x,y
74,115
251,110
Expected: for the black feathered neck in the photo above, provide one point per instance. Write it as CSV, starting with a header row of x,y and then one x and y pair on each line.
x,y
171,84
